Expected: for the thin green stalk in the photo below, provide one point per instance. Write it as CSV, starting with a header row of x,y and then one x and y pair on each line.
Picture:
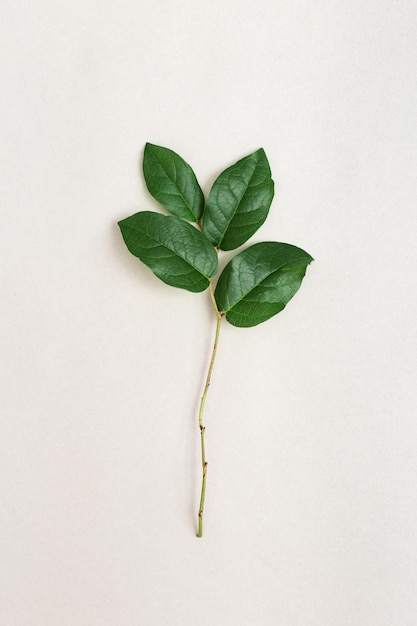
x,y
200,414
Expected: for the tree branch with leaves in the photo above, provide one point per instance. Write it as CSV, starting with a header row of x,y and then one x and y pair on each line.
x,y
182,248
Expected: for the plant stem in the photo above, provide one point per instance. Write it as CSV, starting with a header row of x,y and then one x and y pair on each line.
x,y
200,414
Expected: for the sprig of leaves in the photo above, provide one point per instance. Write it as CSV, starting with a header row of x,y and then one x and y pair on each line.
x,y
255,285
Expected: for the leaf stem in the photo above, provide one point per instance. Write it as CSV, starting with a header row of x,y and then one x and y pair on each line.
x,y
201,411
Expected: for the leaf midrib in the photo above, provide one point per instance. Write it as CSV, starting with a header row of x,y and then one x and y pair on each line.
x,y
240,202
260,283
175,184
171,249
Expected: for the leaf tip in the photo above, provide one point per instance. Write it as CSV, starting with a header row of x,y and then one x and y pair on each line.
x,y
149,147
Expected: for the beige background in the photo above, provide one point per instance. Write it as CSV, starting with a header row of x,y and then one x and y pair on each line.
x,y
311,430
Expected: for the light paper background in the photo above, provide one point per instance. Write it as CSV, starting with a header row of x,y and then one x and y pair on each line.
x,y
311,510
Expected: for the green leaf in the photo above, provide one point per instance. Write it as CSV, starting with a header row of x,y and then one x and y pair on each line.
x,y
258,282
176,252
172,182
239,202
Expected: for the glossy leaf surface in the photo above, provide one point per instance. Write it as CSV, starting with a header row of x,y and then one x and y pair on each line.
x,y
258,282
175,251
172,182
239,202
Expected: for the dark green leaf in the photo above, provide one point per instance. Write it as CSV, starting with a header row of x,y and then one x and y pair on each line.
x,y
258,282
176,252
172,182
239,202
